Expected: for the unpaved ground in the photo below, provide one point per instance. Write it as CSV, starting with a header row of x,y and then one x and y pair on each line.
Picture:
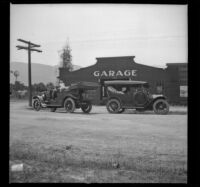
x,y
98,147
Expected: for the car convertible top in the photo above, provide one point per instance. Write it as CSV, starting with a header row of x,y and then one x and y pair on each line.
x,y
125,82
84,86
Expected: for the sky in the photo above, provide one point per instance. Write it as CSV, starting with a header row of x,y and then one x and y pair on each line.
x,y
154,34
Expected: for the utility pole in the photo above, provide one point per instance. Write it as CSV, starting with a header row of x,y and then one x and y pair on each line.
x,y
31,47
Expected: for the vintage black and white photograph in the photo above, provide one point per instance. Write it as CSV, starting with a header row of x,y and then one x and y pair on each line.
x,y
98,93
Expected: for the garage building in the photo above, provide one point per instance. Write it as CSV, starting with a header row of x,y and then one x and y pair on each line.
x,y
171,81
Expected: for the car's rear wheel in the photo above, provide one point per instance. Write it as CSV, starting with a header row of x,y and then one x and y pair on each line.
x,y
113,106
161,106
86,108
69,105
37,104
53,109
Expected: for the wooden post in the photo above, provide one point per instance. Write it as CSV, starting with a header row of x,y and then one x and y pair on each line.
x,y
29,75
31,47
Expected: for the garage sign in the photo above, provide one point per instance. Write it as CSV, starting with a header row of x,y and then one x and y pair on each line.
x,y
112,73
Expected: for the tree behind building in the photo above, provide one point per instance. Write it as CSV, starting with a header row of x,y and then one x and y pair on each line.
x,y
66,57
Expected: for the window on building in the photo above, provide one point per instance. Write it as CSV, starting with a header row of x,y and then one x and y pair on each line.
x,y
183,91
159,87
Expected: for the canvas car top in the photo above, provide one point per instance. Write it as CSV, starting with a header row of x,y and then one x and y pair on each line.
x,y
84,85
124,82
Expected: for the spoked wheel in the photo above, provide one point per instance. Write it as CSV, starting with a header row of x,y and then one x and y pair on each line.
x,y
113,106
53,109
37,104
69,105
86,108
161,106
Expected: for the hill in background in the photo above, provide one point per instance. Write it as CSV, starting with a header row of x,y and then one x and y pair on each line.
x,y
40,72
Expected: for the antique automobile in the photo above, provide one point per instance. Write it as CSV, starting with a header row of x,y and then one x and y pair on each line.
x,y
128,94
76,96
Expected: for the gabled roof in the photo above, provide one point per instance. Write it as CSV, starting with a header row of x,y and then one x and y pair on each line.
x,y
176,64
116,57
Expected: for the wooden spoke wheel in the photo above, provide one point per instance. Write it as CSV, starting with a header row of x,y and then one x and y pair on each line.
x,y
161,106
113,106
69,105
37,104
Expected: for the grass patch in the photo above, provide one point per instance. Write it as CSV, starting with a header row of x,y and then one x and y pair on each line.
x,y
71,164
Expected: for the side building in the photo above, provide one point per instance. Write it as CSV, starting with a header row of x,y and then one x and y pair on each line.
x,y
121,68
176,84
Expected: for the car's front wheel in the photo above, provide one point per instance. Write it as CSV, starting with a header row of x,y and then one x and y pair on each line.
x,y
113,106
161,106
37,104
86,108
69,105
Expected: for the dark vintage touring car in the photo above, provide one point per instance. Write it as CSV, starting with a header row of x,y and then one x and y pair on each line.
x,y
74,96
126,94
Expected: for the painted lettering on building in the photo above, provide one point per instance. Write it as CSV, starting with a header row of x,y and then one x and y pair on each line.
x,y
112,73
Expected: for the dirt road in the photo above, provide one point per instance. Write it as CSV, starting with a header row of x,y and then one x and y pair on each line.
x,y
128,147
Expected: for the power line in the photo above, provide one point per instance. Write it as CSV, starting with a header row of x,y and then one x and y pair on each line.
x,y
131,38
31,47
127,38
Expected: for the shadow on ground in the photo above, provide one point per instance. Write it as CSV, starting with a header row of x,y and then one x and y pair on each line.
x,y
125,112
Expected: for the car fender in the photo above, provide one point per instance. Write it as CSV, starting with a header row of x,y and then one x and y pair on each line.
x,y
153,99
156,97
37,97
69,95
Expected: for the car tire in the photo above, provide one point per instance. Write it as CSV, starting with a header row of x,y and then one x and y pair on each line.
x,y
161,106
86,108
113,106
36,104
53,109
69,105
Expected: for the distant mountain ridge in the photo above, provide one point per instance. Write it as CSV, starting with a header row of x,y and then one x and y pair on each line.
x,y
40,72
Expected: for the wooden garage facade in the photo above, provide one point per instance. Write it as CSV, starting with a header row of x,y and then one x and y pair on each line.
x,y
163,81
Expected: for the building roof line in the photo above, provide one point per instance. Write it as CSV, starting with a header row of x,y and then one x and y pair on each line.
x,y
115,57
149,66
81,68
175,64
